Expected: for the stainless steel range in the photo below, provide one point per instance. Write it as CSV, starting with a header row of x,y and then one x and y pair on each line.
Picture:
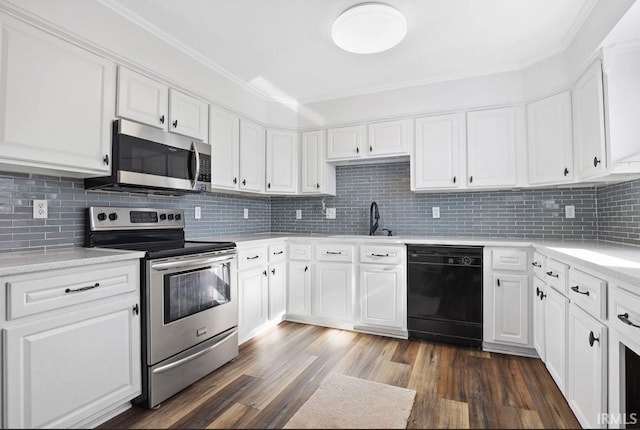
x,y
188,295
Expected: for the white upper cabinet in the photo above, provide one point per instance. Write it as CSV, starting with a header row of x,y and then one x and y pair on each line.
x,y
436,159
150,102
491,148
282,162
388,138
252,157
345,143
591,155
224,139
188,116
56,104
317,176
549,140
142,99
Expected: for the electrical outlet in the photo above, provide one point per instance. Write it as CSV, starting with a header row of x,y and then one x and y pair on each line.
x,y
198,212
435,212
331,213
298,213
246,213
40,209
570,211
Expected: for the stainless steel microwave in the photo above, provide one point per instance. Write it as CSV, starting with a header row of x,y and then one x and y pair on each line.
x,y
146,159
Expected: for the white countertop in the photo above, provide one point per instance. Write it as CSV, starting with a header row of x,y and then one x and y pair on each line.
x,y
615,260
23,262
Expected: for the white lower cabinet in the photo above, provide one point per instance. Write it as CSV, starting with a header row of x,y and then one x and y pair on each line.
x,y
555,327
277,290
299,288
511,308
383,299
61,371
587,367
334,291
539,295
253,297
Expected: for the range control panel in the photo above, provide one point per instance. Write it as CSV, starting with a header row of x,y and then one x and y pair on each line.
x,y
110,218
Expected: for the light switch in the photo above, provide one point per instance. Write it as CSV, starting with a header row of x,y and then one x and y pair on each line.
x,y
331,213
198,212
246,213
435,212
298,213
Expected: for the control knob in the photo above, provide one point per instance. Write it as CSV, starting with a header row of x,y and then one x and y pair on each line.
x,y
163,217
178,216
113,216
102,216
170,217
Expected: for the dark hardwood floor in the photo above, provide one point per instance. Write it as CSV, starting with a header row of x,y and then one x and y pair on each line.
x,y
278,371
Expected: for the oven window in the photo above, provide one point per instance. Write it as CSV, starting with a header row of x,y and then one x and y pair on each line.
x,y
632,388
187,293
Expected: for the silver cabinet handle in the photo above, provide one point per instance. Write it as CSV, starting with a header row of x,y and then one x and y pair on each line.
x,y
197,173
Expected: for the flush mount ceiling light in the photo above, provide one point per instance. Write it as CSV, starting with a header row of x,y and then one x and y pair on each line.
x,y
369,28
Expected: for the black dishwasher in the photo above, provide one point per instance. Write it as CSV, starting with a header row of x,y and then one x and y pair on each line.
x,y
444,300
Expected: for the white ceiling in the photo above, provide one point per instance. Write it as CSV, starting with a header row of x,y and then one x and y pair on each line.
x,y
283,48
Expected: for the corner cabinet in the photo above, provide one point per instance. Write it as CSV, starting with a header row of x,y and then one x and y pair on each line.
x,y
550,141
491,148
282,162
316,175
435,163
56,104
591,154
71,360
252,157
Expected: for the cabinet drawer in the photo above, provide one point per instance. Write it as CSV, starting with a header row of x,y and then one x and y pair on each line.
x,y
33,293
277,252
334,252
624,312
539,264
382,254
556,275
252,257
509,259
299,251
588,292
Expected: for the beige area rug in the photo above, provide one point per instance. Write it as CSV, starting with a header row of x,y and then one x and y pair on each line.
x,y
347,402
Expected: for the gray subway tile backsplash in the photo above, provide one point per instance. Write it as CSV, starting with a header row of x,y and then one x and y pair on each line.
x,y
609,213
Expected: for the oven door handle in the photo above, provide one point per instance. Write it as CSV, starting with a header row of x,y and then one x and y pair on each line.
x,y
190,263
194,148
194,356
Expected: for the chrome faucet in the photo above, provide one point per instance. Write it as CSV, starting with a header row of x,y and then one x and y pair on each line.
x,y
373,214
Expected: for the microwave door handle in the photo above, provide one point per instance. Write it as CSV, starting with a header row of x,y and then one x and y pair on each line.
x,y
194,148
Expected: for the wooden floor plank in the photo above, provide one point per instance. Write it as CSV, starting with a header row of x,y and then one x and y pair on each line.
x,y
277,372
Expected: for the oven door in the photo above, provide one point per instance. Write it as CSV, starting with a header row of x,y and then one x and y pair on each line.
x,y
189,299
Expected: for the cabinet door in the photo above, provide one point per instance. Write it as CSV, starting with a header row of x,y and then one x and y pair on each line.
x,y
345,143
539,292
56,103
435,163
587,367
253,301
224,139
589,123
383,296
491,148
277,290
511,308
550,142
555,328
62,370
317,176
188,116
252,151
142,99
282,161
388,138
334,291
299,288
